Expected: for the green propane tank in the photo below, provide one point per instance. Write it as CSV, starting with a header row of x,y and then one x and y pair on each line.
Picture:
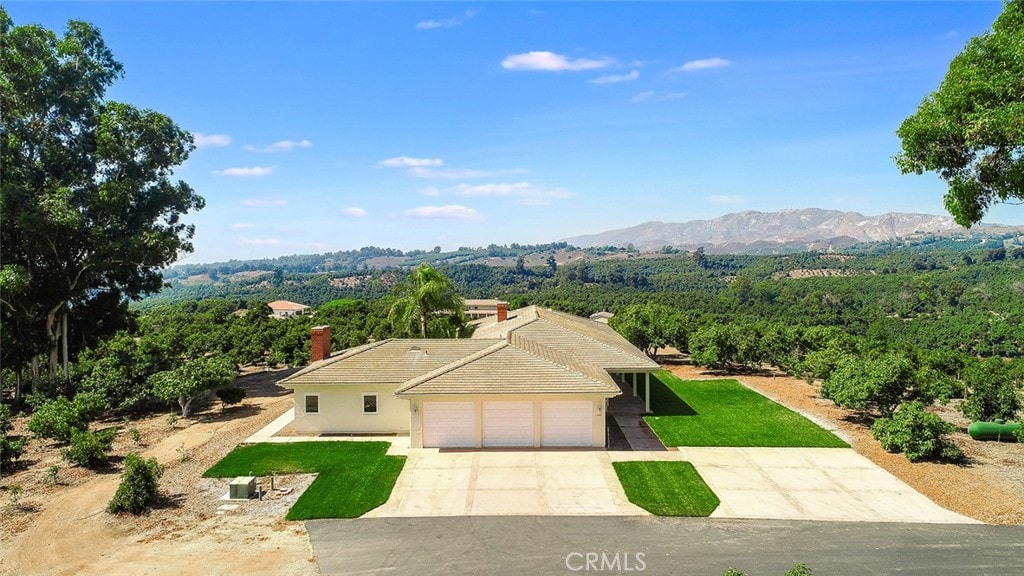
x,y
993,431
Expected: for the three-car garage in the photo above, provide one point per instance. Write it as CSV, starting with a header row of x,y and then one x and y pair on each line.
x,y
512,423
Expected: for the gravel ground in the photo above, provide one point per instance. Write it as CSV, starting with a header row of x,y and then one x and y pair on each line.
x,y
988,487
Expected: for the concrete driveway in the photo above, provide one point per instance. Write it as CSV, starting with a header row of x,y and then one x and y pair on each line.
x,y
507,482
804,484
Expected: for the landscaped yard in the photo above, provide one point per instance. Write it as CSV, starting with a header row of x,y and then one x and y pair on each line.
x,y
726,413
666,488
353,477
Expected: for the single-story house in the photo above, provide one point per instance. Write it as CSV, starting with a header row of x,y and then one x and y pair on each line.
x,y
603,316
529,378
284,309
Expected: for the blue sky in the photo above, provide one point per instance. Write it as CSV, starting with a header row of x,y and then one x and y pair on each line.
x,y
327,126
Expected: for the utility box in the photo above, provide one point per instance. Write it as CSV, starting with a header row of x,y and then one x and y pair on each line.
x,y
242,488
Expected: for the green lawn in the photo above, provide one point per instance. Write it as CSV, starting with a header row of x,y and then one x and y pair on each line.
x,y
666,488
726,413
353,477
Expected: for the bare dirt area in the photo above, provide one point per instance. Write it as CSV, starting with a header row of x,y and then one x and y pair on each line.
x,y
63,528
988,487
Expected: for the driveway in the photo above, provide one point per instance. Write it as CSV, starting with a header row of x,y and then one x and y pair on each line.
x,y
507,482
803,484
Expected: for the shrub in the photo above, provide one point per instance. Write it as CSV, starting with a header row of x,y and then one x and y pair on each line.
x,y
798,569
10,451
89,449
916,433
5,419
231,395
138,486
54,419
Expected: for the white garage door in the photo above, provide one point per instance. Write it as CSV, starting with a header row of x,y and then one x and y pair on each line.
x,y
567,423
449,425
508,423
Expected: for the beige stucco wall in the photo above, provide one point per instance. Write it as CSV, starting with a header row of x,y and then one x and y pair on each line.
x,y
598,414
341,410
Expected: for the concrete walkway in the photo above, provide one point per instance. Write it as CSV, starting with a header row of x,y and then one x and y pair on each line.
x,y
628,412
836,484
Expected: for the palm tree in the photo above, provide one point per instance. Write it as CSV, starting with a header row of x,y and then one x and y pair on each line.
x,y
427,293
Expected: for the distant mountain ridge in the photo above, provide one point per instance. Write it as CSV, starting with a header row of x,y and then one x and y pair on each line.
x,y
783,231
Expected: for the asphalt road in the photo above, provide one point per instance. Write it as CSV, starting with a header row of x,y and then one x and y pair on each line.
x,y
526,545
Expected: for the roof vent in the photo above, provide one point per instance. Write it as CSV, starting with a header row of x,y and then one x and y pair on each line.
x,y
415,352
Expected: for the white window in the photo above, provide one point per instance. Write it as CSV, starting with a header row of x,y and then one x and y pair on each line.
x,y
369,403
312,403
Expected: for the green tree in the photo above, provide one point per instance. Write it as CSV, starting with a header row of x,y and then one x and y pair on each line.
x,y
91,214
194,377
862,384
427,298
651,326
969,130
993,390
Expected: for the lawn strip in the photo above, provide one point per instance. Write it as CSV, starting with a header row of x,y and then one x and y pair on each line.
x,y
666,488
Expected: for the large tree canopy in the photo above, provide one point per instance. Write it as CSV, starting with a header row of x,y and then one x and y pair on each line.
x,y
971,129
90,211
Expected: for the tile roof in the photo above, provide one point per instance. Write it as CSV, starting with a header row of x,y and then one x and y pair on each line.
x,y
390,361
286,305
508,369
588,340
535,351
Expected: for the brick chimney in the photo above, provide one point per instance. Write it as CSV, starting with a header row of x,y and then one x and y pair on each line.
x,y
502,311
321,338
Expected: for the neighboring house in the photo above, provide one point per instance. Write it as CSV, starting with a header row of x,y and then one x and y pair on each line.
x,y
284,309
602,316
475,309
534,378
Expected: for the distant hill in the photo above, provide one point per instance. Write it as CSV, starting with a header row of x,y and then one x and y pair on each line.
x,y
753,232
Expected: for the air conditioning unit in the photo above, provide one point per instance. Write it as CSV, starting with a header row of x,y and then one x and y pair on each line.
x,y
242,488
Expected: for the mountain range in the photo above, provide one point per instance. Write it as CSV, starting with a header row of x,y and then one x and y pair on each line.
x,y
776,232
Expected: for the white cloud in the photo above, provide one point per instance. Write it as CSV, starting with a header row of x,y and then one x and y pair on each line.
x,y
726,199
243,226
449,212
446,23
253,171
656,96
354,212
243,241
408,162
705,64
280,146
526,192
550,62
429,191
616,78
261,202
210,140
447,174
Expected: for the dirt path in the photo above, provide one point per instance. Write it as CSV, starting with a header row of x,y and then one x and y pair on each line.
x,y
71,534
990,487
